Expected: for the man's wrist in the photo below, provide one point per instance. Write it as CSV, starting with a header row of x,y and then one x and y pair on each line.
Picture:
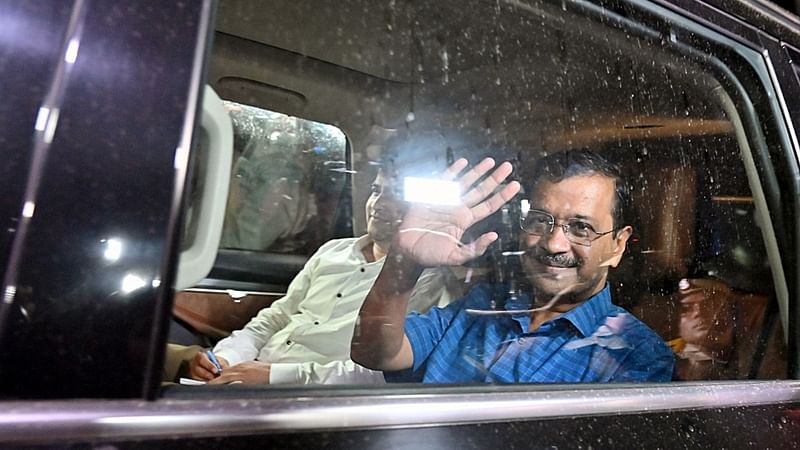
x,y
284,373
403,269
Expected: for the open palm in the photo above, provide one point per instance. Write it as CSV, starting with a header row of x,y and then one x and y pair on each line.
x,y
431,234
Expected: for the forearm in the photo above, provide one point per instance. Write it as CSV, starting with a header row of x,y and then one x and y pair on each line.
x,y
379,340
336,372
245,344
239,347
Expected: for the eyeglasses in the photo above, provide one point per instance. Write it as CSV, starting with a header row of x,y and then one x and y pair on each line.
x,y
539,223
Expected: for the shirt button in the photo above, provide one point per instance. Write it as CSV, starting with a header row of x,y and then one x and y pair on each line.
x,y
316,322
339,295
289,342
521,340
363,269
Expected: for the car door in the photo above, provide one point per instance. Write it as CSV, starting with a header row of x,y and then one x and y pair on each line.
x,y
100,105
694,103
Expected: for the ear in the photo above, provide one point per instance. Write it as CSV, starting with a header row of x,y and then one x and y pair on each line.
x,y
620,244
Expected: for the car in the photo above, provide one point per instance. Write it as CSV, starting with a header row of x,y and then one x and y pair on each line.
x,y
171,166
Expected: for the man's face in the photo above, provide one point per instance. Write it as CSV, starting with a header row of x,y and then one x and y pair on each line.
x,y
384,211
706,319
556,266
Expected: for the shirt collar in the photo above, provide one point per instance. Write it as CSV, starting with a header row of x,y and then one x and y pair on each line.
x,y
589,315
359,245
586,317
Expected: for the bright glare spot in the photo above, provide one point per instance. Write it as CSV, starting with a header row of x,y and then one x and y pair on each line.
x,y
524,207
8,295
131,283
430,191
236,295
113,249
41,118
50,128
156,283
181,156
28,209
274,136
72,51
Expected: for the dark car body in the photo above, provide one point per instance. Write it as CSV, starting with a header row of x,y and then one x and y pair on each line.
x,y
97,145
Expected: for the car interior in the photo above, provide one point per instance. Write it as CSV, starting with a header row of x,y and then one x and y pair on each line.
x,y
312,109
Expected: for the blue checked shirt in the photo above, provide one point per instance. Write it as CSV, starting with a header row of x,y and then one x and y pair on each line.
x,y
593,342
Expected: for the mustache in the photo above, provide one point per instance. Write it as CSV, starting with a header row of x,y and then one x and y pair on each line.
x,y
554,259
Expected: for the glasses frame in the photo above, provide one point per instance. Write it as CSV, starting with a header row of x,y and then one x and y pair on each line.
x,y
586,242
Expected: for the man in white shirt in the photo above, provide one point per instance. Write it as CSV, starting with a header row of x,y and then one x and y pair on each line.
x,y
304,338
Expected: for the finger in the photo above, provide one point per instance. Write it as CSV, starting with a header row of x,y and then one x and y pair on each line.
x,y
207,364
488,185
493,203
474,174
201,373
225,378
455,169
475,248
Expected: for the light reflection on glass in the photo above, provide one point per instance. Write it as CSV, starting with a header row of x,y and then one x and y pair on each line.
x,y
113,249
524,207
28,209
431,191
50,127
41,118
71,54
131,283
9,294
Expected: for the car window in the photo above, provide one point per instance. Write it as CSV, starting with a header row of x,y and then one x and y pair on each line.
x,y
691,264
288,176
287,182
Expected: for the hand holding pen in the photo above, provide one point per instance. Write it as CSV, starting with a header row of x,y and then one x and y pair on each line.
x,y
206,366
215,361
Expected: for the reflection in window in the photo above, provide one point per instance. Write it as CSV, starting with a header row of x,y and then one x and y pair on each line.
x,y
287,177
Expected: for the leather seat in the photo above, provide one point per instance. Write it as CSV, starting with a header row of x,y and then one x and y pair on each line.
x,y
717,331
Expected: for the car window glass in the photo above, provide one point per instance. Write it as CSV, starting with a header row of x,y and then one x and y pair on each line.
x,y
288,177
519,83
284,168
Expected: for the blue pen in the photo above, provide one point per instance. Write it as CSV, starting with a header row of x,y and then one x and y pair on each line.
x,y
214,360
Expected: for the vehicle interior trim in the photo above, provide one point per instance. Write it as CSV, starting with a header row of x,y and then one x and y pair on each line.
x,y
236,293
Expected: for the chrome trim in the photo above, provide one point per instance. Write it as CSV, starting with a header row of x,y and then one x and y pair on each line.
x,y
82,420
787,116
779,275
234,293
772,10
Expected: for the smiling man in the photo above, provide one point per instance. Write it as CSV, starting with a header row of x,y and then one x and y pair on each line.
x,y
564,330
